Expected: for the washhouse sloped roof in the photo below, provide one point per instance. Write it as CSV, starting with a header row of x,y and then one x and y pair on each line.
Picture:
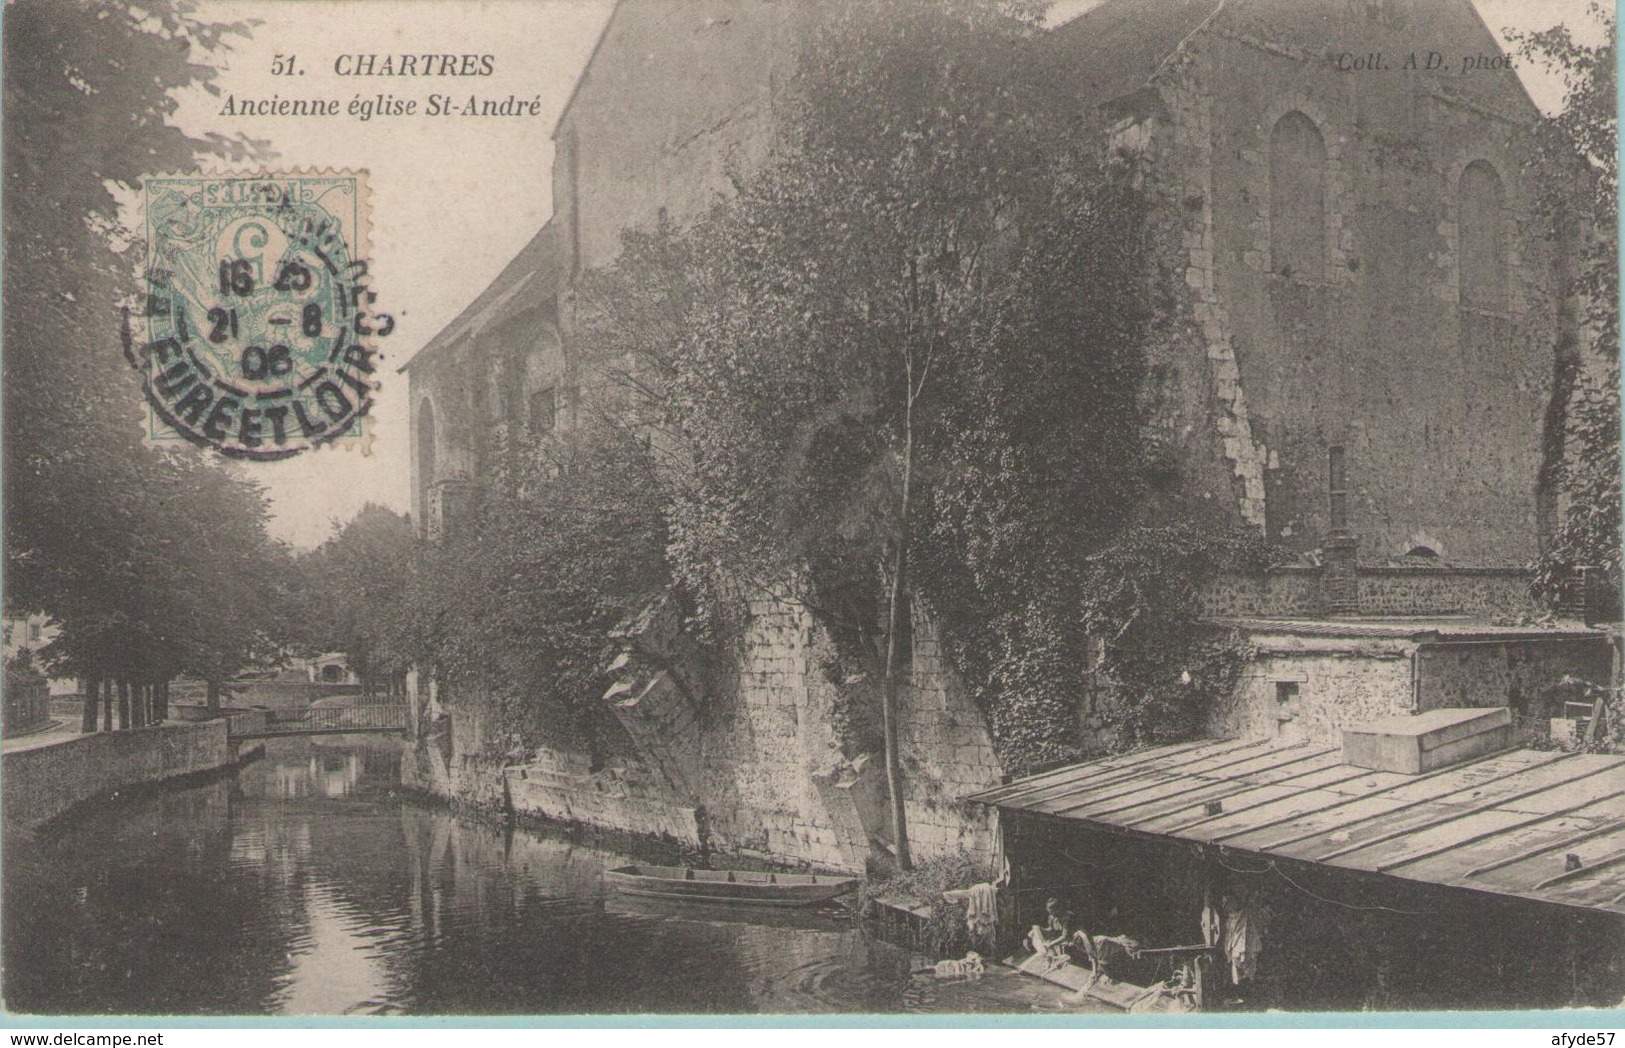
x,y
1505,823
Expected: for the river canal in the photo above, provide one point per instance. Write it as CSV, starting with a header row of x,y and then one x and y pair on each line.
x,y
307,884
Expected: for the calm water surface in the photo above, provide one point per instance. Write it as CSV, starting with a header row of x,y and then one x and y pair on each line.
x,y
306,885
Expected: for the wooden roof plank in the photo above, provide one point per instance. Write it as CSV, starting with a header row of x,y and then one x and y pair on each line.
x,y
1453,815
1527,820
1270,787
1077,773
1191,769
1521,876
1342,802
1583,871
1551,846
1109,776
1220,785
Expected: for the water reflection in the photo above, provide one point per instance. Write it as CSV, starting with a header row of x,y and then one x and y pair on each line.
x,y
306,886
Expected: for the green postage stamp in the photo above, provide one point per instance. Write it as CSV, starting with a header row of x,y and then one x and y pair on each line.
x,y
259,321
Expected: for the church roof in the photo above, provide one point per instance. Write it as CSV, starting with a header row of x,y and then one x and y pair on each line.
x,y
531,276
1112,49
1115,48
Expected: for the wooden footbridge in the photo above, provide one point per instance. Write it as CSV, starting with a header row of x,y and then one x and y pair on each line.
x,y
370,719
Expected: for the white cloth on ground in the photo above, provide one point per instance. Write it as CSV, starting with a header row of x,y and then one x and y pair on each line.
x,y
970,966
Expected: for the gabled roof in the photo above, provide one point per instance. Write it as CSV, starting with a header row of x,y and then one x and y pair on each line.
x,y
1112,49
575,89
532,275
1115,48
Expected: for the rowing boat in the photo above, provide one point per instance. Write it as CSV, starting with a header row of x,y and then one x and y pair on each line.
x,y
732,886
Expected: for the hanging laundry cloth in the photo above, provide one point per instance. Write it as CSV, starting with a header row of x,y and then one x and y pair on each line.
x,y
1243,938
981,910
1212,925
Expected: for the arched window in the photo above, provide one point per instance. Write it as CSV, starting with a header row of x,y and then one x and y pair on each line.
x,y
1479,254
1297,198
426,463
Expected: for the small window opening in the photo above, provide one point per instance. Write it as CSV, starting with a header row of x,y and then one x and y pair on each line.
x,y
1286,710
1297,204
1481,256
1337,489
543,411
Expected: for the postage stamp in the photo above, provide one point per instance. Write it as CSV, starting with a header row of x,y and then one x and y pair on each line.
x,y
259,319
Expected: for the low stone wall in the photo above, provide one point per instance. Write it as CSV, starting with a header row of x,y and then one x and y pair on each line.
x,y
42,782
1402,591
1296,592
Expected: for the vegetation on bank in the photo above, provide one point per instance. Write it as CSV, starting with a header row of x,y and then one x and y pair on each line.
x,y
151,563
905,365
943,933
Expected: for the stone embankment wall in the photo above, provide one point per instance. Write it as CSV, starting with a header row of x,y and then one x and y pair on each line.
x,y
750,766
44,781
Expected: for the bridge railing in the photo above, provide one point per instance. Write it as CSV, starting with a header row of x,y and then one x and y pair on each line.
x,y
373,716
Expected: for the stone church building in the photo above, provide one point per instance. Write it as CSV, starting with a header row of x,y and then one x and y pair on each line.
x,y
1372,371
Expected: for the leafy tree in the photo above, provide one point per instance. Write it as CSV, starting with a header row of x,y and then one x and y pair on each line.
x,y
515,605
354,590
1577,161
153,563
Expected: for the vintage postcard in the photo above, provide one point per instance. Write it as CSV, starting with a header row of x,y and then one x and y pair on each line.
x,y
1087,511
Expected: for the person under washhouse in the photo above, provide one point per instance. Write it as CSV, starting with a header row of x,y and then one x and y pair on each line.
x,y
1055,940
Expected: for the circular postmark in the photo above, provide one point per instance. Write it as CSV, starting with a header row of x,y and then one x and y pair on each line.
x,y
257,313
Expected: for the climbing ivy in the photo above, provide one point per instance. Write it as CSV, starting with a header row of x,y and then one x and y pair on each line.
x,y
515,605
921,326
1105,637
1576,162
